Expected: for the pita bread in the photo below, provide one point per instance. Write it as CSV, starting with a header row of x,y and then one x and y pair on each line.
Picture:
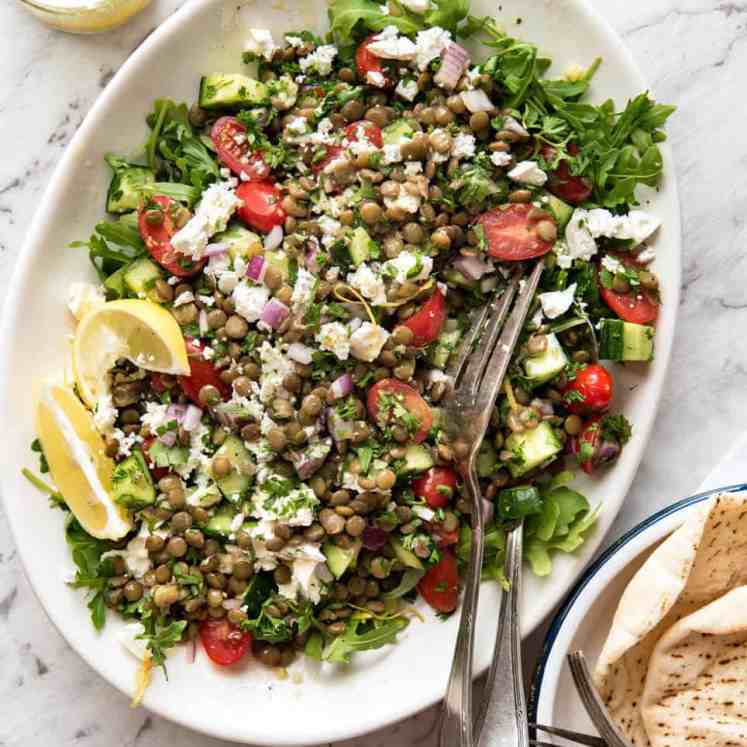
x,y
700,562
696,688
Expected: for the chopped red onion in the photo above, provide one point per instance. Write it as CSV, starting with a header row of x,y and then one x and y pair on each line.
x,y
256,269
192,418
342,386
374,538
544,406
339,428
472,267
300,353
454,61
477,101
203,322
168,438
176,412
232,604
607,451
216,250
274,313
306,467
274,238
312,265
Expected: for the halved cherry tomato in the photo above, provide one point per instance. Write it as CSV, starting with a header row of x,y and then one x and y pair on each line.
x,y
426,323
637,305
410,400
573,189
224,642
229,138
364,130
156,225
367,62
444,537
331,153
437,486
440,585
156,472
594,384
202,373
511,234
261,208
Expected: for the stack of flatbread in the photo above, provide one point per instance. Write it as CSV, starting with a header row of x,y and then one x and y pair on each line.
x,y
673,671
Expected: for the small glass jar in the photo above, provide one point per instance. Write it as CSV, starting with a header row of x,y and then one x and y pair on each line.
x,y
84,16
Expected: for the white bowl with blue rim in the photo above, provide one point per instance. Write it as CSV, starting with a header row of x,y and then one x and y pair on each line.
x,y
585,617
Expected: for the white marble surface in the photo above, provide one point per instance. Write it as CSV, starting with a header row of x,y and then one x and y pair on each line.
x,y
694,52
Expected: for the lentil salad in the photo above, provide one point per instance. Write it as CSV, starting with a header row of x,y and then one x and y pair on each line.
x,y
320,234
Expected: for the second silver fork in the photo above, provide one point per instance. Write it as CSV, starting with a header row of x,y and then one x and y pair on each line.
x,y
477,376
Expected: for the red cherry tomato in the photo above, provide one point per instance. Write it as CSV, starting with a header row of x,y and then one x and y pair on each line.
x,y
588,440
444,538
573,189
157,236
224,643
594,384
202,373
156,472
637,305
229,138
410,400
261,208
426,323
437,486
511,235
364,130
440,585
367,62
332,152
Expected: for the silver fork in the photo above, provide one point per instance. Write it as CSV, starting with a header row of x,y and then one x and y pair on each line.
x,y
477,376
593,702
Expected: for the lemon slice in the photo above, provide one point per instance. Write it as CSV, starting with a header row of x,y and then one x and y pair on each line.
x,y
78,463
140,331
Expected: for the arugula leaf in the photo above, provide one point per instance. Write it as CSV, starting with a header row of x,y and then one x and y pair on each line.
x,y
363,635
351,20
407,583
160,636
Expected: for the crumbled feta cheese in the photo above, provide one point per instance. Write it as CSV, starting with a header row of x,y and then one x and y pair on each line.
x,y
294,41
556,303
324,134
293,506
578,238
424,513
413,168
527,172
332,274
249,300
284,92
192,238
512,125
128,636
404,200
563,254
392,46
463,146
84,297
637,225
218,204
370,285
126,441
646,256
309,573
135,555
297,126
260,42
407,89
184,298
105,414
275,367
319,60
366,342
429,45
330,229
375,78
501,159
335,337
392,153
612,264
408,266
208,353
417,6
303,290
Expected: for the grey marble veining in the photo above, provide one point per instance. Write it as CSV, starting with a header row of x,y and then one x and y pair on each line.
x,y
694,53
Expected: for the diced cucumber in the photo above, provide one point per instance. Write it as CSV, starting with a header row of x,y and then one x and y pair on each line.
x,y
340,559
140,278
125,188
241,241
445,345
360,246
404,555
242,467
204,496
518,502
397,131
487,459
132,485
114,284
532,448
625,341
541,368
456,278
417,459
561,211
279,260
220,522
231,91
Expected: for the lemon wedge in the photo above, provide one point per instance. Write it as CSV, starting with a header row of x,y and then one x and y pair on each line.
x,y
78,464
140,331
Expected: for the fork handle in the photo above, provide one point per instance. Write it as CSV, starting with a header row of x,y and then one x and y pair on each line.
x,y
502,721
456,722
